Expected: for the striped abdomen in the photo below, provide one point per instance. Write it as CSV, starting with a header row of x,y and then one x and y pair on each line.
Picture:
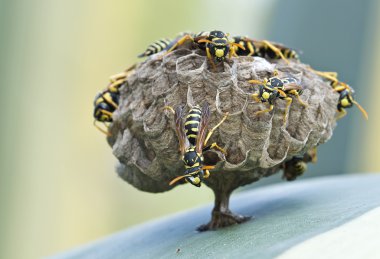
x,y
266,52
192,124
157,46
290,53
249,47
105,104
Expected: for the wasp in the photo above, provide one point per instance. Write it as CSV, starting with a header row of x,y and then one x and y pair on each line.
x,y
161,45
107,101
277,88
346,99
156,47
217,45
264,49
297,165
193,137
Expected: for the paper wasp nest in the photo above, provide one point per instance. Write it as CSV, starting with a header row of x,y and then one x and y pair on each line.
x,y
143,133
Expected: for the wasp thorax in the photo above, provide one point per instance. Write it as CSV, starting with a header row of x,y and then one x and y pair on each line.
x,y
192,159
276,82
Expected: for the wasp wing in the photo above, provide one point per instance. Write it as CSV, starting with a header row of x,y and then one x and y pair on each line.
x,y
202,131
291,86
179,128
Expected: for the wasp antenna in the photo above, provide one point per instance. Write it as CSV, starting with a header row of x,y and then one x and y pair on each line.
x,y
205,40
178,178
363,111
208,167
282,93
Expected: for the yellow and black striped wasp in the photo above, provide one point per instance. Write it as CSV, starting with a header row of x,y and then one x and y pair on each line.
x,y
297,165
263,48
217,44
193,138
346,99
277,88
156,47
161,45
107,101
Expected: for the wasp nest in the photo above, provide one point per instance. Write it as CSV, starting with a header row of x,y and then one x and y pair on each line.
x,y
144,138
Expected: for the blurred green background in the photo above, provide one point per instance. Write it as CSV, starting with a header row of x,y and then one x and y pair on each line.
x,y
58,188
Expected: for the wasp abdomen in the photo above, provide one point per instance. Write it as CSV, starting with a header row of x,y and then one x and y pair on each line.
x,y
192,124
155,47
105,104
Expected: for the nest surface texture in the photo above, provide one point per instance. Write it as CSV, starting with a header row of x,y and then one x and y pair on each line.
x,y
143,133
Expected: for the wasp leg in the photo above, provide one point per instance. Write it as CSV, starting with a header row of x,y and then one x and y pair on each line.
x,y
110,101
120,78
256,82
210,58
266,110
233,47
214,128
214,146
332,76
206,174
116,77
289,101
275,50
327,74
232,53
312,153
341,114
208,167
180,42
167,107
255,97
330,73
299,99
107,113
250,48
102,130
339,88
115,85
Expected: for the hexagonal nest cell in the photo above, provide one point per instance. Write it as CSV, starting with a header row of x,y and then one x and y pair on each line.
x,y
144,139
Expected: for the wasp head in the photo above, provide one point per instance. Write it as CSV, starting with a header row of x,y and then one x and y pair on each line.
x,y
217,34
266,95
345,99
102,112
219,49
193,163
